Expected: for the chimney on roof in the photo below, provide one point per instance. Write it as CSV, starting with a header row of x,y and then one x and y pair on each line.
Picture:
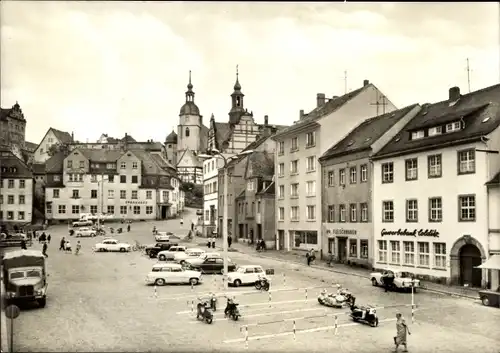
x,y
301,114
454,94
266,120
366,83
125,147
320,99
72,137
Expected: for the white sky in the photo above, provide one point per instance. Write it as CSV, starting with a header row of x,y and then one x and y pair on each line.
x,y
93,68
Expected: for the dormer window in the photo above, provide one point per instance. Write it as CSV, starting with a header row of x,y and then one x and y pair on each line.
x,y
433,131
451,127
417,134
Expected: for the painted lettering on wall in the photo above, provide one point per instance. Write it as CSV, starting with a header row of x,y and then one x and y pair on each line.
x,y
342,231
411,232
136,202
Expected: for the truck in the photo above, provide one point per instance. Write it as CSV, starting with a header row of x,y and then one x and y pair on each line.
x,y
25,277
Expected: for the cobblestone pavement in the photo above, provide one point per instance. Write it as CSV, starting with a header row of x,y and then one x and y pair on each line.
x,y
99,302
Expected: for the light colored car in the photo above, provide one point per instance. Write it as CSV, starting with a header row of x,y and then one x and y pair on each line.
x,y
82,223
192,253
110,244
169,255
244,275
196,261
169,273
163,236
402,279
85,232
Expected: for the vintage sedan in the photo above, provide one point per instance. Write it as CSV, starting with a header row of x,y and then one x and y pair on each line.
x,y
245,275
169,255
191,253
402,280
85,232
198,260
169,273
210,265
112,245
490,297
163,236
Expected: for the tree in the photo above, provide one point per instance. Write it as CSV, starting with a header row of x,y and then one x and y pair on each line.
x,y
186,186
58,147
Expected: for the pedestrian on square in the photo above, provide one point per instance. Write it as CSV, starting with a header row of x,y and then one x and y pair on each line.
x,y
128,228
44,249
34,234
213,243
48,238
209,242
229,241
61,244
401,331
23,245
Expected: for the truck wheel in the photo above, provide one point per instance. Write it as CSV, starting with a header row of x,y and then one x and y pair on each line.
x,y
42,302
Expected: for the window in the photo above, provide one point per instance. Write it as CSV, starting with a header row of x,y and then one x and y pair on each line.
x,y
123,210
311,164
10,215
281,148
353,175
123,165
409,253
61,209
466,162
93,178
353,247
440,255
81,164
22,184
363,170
149,209
387,172
295,144
433,131
10,199
341,176
331,213
123,194
111,178
207,214
382,251
76,194
48,209
93,194
294,213
435,209
134,165
331,176
55,193
21,199
310,139
353,211
137,209
20,215
250,186
135,179
294,190
57,178
388,211
134,194
281,191
364,212
149,195
258,207
294,167
342,213
434,166
123,179
411,211
110,210
281,214
467,208
10,184
423,254
311,213
311,188
93,209
417,134
165,195
281,169
111,194
451,127
395,252
69,164
411,166
363,247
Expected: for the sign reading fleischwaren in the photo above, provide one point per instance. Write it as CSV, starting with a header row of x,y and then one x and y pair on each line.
x,y
411,232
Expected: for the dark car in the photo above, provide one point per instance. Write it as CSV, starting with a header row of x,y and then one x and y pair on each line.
x,y
152,251
210,265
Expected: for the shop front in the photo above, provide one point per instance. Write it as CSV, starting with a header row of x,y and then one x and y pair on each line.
x,y
350,245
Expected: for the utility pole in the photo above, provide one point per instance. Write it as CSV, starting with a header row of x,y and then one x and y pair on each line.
x,y
381,101
468,74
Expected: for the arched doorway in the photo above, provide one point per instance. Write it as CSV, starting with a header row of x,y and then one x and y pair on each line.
x,y
470,258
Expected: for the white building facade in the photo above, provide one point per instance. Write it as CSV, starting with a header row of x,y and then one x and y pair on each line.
x,y
210,193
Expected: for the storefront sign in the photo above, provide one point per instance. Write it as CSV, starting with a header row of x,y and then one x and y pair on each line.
x,y
136,202
342,231
411,232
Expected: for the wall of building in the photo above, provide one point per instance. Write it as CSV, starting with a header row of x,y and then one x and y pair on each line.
x,y
16,212
41,153
244,133
267,219
494,219
193,141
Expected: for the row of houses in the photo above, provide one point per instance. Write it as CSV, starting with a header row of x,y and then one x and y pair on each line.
x,y
415,188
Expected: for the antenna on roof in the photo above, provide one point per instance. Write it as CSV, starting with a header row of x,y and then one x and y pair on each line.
x,y
345,82
380,102
468,73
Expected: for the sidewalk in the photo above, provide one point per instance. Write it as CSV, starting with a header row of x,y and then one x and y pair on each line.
x,y
299,258
4,337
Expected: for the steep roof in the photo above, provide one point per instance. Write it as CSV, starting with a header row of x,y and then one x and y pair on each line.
x,y
260,165
366,133
478,111
149,164
54,165
38,168
171,138
63,136
30,146
161,161
495,180
15,113
241,195
101,155
13,167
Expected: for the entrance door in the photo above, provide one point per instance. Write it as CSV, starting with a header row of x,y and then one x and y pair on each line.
x,y
470,257
163,212
342,249
281,239
259,231
331,245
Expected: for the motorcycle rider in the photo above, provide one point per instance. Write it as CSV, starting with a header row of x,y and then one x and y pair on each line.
x,y
388,280
230,307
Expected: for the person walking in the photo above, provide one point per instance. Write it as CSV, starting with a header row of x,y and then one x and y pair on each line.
x,y
48,238
310,257
61,244
128,227
23,245
229,241
213,243
44,249
209,242
401,331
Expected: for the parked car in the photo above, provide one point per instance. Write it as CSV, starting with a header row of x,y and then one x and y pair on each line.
x,y
110,244
245,275
490,297
182,256
169,273
198,260
153,250
163,236
402,280
210,265
82,223
85,232
169,254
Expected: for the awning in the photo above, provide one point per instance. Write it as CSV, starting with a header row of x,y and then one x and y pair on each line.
x,y
493,263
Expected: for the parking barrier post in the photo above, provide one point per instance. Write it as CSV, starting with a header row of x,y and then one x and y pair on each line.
x,y
270,298
284,279
192,306
294,331
412,301
156,293
306,294
246,337
336,325
192,287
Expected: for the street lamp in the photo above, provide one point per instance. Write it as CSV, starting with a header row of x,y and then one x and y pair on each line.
x,y
100,185
216,153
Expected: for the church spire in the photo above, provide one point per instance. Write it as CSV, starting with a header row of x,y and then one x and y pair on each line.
x,y
237,86
190,93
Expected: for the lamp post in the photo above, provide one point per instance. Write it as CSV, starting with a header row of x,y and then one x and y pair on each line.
x,y
100,186
216,153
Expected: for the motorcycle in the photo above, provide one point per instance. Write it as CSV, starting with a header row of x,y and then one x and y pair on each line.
x,y
262,284
340,299
111,230
232,310
366,315
204,313
119,230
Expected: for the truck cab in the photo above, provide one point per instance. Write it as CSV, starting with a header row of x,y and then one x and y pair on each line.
x,y
25,277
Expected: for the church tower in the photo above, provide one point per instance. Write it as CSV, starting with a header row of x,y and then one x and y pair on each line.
x,y
190,123
237,108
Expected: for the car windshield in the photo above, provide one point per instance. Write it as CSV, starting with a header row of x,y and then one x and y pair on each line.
x,y
405,275
156,269
241,269
16,275
33,274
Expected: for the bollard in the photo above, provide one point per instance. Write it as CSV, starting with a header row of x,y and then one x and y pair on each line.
x,y
192,288
294,331
156,293
306,294
412,302
192,306
246,337
284,279
336,325
270,298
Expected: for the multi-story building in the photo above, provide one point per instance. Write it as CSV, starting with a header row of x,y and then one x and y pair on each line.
x,y
12,127
52,137
254,213
347,186
16,190
493,262
297,166
211,194
130,184
430,187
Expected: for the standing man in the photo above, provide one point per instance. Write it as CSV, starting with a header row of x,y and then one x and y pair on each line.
x,y
229,241
61,244
44,249
401,330
48,238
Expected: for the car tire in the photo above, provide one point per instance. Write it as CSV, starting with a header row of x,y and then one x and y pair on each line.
x,y
182,262
160,282
42,302
92,235
123,250
374,282
162,258
485,301
237,282
193,281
